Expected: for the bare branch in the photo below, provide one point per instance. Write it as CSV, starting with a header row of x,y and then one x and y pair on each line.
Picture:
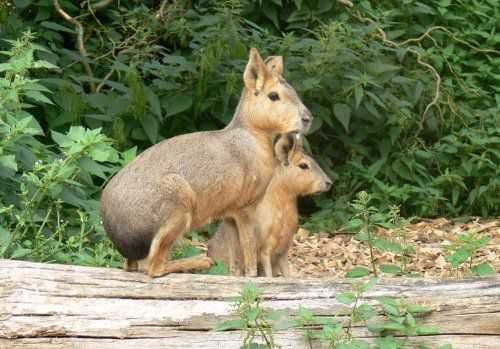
x,y
452,35
162,9
81,46
437,77
101,84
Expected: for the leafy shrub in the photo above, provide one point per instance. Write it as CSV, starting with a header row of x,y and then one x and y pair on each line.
x,y
49,205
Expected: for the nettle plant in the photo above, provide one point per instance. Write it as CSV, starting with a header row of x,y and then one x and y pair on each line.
x,y
48,203
392,324
366,221
257,322
462,253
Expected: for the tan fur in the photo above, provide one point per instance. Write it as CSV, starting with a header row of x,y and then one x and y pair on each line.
x,y
275,218
186,181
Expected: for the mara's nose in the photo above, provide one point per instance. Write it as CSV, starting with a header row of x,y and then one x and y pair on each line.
x,y
328,185
307,117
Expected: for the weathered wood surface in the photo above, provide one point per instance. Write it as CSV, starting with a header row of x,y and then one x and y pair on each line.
x,y
46,306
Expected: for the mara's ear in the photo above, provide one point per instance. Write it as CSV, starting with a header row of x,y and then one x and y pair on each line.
x,y
284,147
274,64
256,72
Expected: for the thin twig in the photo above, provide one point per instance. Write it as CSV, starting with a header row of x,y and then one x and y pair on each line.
x,y
101,84
452,35
81,46
159,14
437,93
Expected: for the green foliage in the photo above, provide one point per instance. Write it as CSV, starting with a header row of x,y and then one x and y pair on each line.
x,y
461,253
256,321
399,318
48,202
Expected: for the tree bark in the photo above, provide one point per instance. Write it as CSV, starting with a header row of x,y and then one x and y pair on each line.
x,y
48,306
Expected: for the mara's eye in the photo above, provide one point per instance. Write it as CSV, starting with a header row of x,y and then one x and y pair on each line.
x,y
304,166
273,96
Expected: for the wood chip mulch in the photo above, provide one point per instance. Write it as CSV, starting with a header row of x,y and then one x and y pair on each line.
x,y
332,255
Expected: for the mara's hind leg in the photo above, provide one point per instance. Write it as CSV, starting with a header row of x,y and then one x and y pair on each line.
x,y
200,262
159,252
130,265
177,214
158,263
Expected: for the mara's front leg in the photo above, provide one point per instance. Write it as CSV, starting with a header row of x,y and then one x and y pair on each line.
x,y
246,233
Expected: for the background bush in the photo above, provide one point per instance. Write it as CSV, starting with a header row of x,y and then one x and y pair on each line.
x,y
406,98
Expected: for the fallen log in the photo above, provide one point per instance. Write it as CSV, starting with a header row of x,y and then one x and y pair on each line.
x,y
48,306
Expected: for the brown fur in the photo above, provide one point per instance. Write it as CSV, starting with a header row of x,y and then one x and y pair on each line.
x,y
186,181
276,216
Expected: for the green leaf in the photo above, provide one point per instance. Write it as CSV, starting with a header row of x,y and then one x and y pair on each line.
x,y
150,125
390,306
154,102
393,326
8,161
346,298
37,96
387,245
5,240
483,269
390,268
427,330
20,252
364,312
358,272
358,95
44,64
56,27
5,67
380,68
460,256
60,138
417,309
177,104
230,325
353,225
129,155
410,320
343,114
252,314
219,268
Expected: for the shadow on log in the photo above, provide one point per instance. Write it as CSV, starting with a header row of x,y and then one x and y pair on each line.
x,y
48,306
